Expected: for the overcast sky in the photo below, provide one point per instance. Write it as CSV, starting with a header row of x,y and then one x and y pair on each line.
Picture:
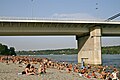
x,y
78,9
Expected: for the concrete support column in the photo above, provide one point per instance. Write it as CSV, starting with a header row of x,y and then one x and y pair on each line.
x,y
90,47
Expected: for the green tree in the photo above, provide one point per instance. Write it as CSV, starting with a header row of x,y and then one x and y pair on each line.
x,y
4,50
12,51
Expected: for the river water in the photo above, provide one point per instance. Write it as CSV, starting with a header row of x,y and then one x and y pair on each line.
x,y
113,60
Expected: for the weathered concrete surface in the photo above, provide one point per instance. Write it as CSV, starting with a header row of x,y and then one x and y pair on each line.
x,y
90,47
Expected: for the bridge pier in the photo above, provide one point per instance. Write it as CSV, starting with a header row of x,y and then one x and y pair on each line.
x,y
90,47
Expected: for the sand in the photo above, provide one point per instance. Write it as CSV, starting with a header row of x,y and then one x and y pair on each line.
x,y
12,72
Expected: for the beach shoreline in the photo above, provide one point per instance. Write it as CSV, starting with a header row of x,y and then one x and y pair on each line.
x,y
11,68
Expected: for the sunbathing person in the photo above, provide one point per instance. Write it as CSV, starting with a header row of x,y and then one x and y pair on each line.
x,y
93,74
67,69
28,70
115,74
32,70
42,69
76,69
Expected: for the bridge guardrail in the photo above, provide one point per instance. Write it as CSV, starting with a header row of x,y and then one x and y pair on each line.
x,y
52,19
34,18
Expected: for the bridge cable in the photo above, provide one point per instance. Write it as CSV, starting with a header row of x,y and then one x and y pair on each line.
x,y
113,17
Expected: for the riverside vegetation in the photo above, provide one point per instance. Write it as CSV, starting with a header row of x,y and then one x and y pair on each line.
x,y
5,51
105,50
11,51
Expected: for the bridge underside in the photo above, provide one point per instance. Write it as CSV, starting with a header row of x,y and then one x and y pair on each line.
x,y
88,34
29,29
32,28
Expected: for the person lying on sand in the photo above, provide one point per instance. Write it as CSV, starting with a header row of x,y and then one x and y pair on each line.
x,y
29,70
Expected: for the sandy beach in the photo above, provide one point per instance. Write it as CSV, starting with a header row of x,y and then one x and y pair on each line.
x,y
29,68
12,72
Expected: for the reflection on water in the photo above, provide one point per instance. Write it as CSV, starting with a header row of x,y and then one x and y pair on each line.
x,y
107,59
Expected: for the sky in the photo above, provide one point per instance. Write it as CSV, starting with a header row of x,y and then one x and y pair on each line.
x,y
77,9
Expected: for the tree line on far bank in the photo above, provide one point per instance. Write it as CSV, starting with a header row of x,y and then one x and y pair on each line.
x,y
11,51
47,52
111,50
105,50
5,51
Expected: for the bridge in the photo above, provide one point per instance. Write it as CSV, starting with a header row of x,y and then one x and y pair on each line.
x,y
88,32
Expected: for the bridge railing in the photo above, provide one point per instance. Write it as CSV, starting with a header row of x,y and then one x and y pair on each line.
x,y
51,19
36,18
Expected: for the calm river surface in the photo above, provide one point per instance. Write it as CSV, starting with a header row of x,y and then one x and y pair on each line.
x,y
107,59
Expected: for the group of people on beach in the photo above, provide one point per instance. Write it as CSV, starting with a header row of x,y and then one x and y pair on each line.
x,y
28,61
31,70
86,71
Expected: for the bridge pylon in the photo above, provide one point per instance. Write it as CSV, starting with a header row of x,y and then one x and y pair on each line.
x,y
89,47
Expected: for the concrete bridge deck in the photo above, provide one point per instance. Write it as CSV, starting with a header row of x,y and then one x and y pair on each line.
x,y
60,26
